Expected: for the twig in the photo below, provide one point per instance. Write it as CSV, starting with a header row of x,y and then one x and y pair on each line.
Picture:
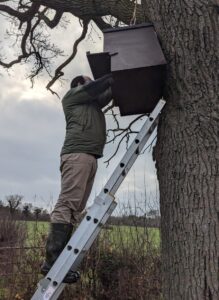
x,y
123,133
58,72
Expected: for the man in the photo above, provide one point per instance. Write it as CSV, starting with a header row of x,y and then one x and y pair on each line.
x,y
84,142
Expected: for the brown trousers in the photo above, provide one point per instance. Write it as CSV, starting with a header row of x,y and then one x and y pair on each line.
x,y
77,176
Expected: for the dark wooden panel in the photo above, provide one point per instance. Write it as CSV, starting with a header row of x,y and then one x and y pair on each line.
x,y
138,91
100,64
135,48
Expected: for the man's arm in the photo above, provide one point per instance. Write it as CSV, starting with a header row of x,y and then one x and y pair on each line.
x,y
99,86
105,97
89,92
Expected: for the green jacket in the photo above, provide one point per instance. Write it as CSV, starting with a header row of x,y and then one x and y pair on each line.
x,y
85,121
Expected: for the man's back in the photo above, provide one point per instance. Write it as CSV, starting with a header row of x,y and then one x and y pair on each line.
x,y
85,121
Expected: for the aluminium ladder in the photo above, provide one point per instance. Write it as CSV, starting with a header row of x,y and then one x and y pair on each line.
x,y
51,286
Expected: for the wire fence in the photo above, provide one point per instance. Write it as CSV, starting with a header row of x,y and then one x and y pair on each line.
x,y
122,264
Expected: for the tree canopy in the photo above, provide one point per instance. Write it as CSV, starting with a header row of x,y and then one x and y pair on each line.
x,y
31,19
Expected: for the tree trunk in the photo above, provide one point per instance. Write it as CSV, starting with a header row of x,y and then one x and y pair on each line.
x,y
187,151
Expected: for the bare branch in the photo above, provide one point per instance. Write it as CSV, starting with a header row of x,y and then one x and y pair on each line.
x,y
150,145
122,134
122,130
59,72
100,23
110,107
54,22
24,54
22,16
122,9
117,149
40,47
24,39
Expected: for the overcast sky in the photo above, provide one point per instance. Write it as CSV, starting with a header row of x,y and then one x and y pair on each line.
x,y
32,130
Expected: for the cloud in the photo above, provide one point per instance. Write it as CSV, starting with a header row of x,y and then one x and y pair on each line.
x,y
31,134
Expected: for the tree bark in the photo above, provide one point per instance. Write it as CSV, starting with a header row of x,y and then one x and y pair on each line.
x,y
187,151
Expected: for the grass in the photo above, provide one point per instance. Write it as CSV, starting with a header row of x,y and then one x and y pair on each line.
x,y
128,234
36,231
39,227
132,235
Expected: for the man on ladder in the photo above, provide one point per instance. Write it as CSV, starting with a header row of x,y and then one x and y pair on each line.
x,y
84,142
51,287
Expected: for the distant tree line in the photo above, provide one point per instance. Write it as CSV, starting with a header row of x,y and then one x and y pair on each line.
x,y
150,219
14,207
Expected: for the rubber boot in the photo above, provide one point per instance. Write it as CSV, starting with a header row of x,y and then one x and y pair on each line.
x,y
58,237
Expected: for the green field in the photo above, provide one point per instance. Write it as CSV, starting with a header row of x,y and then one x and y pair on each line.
x,y
116,236
132,234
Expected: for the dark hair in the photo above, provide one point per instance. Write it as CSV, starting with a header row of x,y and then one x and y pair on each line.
x,y
79,79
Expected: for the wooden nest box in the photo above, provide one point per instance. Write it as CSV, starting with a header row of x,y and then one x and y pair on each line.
x,y
134,56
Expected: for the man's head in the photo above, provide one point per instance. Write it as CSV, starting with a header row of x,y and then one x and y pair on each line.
x,y
80,80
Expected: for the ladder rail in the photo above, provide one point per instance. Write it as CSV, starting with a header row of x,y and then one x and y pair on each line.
x,y
51,286
133,151
76,248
